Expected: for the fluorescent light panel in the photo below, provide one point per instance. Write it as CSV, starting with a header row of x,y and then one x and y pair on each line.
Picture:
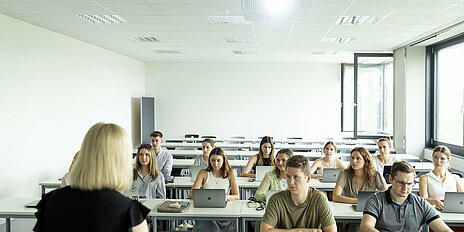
x,y
245,52
284,10
238,40
337,40
358,20
144,39
107,19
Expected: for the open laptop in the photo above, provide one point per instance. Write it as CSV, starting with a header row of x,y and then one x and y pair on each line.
x,y
31,204
209,198
261,171
194,170
454,202
330,175
269,193
362,199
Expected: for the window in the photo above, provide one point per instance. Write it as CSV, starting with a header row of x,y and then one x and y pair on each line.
x,y
367,97
445,90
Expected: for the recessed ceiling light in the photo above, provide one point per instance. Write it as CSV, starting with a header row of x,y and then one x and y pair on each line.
x,y
103,18
144,39
238,40
167,51
337,40
257,10
358,20
245,52
228,20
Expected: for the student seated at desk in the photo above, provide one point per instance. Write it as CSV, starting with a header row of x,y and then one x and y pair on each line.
x,y
206,146
163,157
384,157
329,161
275,179
433,185
94,201
65,180
299,208
397,209
265,157
218,175
148,181
359,176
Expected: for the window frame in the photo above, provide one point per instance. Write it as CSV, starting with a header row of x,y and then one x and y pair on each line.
x,y
431,99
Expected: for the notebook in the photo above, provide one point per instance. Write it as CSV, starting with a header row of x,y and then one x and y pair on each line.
x,y
362,199
261,171
454,202
209,198
330,175
194,170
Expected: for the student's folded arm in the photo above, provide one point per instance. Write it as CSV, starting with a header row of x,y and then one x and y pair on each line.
x,y
233,187
438,225
260,194
248,167
368,223
338,197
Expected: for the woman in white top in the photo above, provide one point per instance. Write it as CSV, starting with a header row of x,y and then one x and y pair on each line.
x,y
206,146
384,157
219,174
328,161
434,184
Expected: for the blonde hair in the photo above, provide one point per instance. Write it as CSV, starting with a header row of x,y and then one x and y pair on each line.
x,y
443,149
104,159
153,168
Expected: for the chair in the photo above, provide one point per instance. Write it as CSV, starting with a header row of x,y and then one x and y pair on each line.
x,y
191,135
294,138
458,173
208,137
237,137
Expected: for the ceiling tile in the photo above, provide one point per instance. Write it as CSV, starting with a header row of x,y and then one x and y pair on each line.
x,y
412,10
380,10
78,9
23,8
403,20
131,9
222,9
319,11
49,18
177,10
152,19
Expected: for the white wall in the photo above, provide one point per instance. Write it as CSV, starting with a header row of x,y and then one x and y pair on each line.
x,y
52,89
246,99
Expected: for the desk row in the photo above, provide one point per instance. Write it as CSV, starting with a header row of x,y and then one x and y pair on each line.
x,y
220,141
237,211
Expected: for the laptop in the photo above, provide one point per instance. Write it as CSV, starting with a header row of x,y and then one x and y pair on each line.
x,y
209,198
261,171
330,175
269,193
194,170
454,202
362,199
31,204
386,172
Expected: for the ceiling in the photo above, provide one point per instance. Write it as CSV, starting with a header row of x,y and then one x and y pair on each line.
x,y
183,27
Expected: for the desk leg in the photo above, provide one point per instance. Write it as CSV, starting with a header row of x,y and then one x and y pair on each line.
x,y
43,190
154,222
7,225
237,229
243,224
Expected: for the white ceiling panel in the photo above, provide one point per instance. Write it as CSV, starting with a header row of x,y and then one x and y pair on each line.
x,y
380,10
184,25
24,8
131,9
325,11
176,10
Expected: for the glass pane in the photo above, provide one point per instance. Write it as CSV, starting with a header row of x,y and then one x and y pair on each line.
x,y
348,96
450,87
375,96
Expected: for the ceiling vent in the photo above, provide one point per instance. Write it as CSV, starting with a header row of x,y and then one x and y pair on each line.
x,y
167,51
244,52
107,19
282,10
338,40
228,20
144,39
358,20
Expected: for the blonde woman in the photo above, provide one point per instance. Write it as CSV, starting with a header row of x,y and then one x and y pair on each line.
x,y
147,179
433,185
93,202
384,157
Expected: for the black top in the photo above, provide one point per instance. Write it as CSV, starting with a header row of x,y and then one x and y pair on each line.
x,y
266,162
69,209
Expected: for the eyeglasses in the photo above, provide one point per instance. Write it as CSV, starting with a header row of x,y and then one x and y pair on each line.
x,y
402,183
252,201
